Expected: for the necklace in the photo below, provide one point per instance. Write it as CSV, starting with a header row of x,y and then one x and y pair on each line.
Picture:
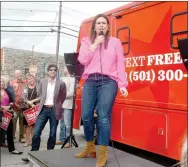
x,y
31,86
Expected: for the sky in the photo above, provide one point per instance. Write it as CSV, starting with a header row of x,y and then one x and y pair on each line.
x,y
26,13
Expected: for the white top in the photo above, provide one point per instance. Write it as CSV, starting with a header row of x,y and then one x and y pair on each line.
x,y
70,83
50,93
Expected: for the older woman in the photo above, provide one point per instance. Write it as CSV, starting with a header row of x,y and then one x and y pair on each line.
x,y
7,99
10,90
29,98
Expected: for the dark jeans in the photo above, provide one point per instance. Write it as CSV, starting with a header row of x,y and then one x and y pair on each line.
x,y
2,136
2,131
10,139
100,90
45,115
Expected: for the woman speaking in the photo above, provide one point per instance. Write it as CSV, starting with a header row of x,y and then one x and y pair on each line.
x,y
103,58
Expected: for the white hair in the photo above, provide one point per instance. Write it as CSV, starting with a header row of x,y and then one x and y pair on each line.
x,y
18,71
5,80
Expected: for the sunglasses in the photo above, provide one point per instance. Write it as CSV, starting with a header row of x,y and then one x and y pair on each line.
x,y
53,70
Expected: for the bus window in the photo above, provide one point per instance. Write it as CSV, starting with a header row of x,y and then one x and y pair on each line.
x,y
123,34
178,28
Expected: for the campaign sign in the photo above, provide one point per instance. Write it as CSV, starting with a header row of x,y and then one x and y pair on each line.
x,y
31,114
5,120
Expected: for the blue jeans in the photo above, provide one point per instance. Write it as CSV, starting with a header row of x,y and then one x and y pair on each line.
x,y
101,90
45,115
65,124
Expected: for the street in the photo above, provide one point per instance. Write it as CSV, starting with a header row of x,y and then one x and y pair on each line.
x,y
10,160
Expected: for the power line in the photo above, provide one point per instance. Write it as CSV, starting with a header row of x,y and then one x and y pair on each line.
x,y
76,11
66,33
30,10
33,10
43,26
33,35
45,4
47,32
30,26
57,5
39,21
63,7
25,34
38,32
21,31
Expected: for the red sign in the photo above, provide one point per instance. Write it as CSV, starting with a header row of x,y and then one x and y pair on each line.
x,y
5,120
31,114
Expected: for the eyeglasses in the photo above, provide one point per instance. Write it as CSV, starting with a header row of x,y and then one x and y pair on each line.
x,y
53,70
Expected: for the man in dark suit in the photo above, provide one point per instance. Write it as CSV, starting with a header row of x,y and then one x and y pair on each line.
x,y
52,96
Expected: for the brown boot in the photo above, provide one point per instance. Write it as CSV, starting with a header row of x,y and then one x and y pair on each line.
x,y
102,157
59,143
89,151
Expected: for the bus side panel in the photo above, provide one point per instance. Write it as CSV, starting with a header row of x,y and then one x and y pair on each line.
x,y
153,67
149,129
154,115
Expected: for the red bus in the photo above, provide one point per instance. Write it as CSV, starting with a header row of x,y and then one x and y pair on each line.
x,y
154,115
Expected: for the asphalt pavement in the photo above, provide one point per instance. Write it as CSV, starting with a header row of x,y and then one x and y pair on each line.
x,y
11,160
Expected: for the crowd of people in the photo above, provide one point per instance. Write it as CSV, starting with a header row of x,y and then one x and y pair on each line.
x,y
53,96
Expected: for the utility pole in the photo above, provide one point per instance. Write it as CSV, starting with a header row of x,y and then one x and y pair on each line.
x,y
58,35
33,67
33,53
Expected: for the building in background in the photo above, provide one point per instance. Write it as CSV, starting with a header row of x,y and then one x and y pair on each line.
x,y
12,59
2,59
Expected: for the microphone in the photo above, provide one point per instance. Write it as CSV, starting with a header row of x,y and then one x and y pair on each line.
x,y
101,33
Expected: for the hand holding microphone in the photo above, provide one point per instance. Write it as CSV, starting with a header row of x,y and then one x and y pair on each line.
x,y
100,38
98,41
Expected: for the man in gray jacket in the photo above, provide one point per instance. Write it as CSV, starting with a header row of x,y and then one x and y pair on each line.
x,y
65,123
52,95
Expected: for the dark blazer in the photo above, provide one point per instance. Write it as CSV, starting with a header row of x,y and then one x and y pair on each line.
x,y
10,91
59,96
